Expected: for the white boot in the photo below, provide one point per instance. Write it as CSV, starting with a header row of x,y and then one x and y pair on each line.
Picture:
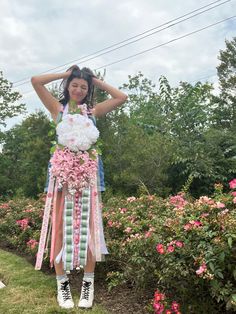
x,y
64,297
87,294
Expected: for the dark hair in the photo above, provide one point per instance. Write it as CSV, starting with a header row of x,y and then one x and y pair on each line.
x,y
85,74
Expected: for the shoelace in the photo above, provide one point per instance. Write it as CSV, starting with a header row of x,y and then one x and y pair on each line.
x,y
85,290
65,288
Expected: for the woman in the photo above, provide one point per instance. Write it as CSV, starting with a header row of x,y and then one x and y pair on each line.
x,y
78,89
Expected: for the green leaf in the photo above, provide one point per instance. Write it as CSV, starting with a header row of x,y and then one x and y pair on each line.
x,y
234,274
52,150
51,132
230,240
233,296
212,266
222,257
219,274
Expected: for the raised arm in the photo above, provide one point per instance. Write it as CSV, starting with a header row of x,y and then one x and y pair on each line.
x,y
49,101
118,98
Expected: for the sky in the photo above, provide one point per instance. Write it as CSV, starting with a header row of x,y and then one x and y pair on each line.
x,y
41,35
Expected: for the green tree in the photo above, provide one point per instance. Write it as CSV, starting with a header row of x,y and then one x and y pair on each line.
x,y
225,109
9,101
25,155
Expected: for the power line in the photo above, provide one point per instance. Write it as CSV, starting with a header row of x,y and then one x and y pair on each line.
x,y
119,43
168,42
163,44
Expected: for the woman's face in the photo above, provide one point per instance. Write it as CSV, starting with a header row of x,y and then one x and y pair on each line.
x,y
78,89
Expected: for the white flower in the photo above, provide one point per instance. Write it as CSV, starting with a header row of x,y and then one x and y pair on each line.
x,y
77,132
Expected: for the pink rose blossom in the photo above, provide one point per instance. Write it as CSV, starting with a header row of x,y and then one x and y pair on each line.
x,y
201,269
158,307
234,200
206,200
131,199
160,248
110,223
203,215
4,206
233,193
128,229
197,223
159,296
179,243
220,205
175,306
32,244
148,234
170,248
178,201
23,223
232,184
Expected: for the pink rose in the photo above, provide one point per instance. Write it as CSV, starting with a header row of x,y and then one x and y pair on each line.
x,y
170,248
160,248
158,307
220,205
179,243
187,227
32,243
159,296
148,234
201,269
110,223
131,199
175,306
178,201
232,184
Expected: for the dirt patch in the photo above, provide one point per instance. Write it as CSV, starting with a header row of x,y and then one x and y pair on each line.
x,y
120,300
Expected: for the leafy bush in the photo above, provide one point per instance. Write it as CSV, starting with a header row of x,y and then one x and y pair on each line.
x,y
20,224
180,248
179,245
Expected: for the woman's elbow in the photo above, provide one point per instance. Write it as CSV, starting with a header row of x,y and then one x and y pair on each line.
x,y
34,80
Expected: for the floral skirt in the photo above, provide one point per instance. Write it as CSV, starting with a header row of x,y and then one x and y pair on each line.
x,y
80,217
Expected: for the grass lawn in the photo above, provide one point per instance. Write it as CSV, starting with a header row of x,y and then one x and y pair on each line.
x,y
28,291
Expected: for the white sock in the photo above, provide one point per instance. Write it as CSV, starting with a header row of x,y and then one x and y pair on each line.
x,y
61,278
88,277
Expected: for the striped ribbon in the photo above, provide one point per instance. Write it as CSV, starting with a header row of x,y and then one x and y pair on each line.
x,y
84,227
97,226
68,232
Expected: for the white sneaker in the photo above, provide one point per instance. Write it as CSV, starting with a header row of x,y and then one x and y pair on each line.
x,y
87,294
64,297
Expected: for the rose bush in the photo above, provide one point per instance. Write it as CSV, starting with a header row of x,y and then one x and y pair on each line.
x,y
183,247
180,248
20,224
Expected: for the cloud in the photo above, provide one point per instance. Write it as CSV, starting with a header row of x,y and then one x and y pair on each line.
x,y
40,35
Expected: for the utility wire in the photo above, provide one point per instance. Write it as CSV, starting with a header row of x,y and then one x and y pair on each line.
x,y
163,44
119,43
168,42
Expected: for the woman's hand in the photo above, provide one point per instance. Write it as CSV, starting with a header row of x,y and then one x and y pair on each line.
x,y
97,82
